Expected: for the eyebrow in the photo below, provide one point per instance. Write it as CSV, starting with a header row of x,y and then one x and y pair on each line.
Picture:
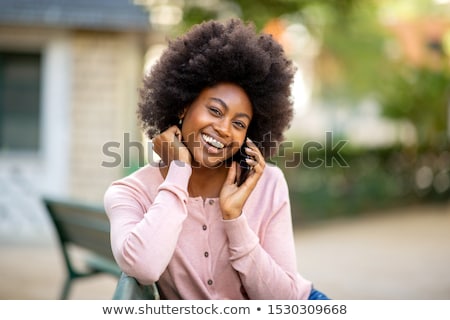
x,y
221,102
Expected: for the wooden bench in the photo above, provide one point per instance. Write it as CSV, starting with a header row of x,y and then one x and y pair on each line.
x,y
87,227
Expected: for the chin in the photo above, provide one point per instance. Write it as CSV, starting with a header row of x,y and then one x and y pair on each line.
x,y
204,159
211,165
208,164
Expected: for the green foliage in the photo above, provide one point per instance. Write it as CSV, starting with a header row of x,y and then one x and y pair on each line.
x,y
352,65
355,42
259,12
194,14
420,95
373,180
348,29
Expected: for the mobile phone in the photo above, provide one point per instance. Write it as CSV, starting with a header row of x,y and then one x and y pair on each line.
x,y
240,157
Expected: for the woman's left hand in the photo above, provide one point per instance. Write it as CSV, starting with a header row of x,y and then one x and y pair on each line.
x,y
232,197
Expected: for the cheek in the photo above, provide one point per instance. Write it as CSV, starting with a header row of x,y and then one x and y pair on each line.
x,y
235,149
193,123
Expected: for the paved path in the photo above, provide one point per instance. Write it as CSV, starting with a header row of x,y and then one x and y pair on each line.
x,y
397,254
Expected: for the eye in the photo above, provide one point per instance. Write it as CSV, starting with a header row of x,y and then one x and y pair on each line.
x,y
215,111
240,124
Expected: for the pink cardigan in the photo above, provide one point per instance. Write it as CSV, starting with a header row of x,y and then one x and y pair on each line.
x,y
159,233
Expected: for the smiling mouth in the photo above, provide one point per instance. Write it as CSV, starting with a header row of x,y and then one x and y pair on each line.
x,y
213,142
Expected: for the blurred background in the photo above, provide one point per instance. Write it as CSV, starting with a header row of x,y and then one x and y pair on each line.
x,y
367,157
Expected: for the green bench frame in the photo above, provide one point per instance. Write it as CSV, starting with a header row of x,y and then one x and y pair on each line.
x,y
129,289
85,226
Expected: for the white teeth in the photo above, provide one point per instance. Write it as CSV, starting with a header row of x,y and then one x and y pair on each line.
x,y
213,141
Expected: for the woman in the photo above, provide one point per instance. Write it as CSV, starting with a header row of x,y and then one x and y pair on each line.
x,y
201,224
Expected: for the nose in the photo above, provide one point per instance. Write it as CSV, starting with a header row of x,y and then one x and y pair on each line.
x,y
223,127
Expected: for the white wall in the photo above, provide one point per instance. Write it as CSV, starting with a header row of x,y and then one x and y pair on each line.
x,y
25,176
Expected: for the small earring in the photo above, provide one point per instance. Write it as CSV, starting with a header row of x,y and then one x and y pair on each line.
x,y
180,122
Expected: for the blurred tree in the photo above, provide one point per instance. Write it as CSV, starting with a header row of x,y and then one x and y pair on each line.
x,y
354,60
359,58
260,12
416,88
352,57
348,30
420,95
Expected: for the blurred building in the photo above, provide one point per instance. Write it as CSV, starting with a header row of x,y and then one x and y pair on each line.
x,y
69,75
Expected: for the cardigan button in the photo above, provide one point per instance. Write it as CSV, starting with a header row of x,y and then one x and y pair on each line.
x,y
210,282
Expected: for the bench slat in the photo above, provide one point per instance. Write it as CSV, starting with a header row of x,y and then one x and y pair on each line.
x,y
85,226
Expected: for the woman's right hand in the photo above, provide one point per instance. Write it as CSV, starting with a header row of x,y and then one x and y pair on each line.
x,y
169,146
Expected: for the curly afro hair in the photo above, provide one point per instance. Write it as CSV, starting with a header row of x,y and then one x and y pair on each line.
x,y
213,52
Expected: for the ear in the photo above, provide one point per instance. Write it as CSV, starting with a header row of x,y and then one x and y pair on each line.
x,y
183,113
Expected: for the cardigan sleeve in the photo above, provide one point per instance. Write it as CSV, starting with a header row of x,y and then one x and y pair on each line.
x,y
267,267
143,234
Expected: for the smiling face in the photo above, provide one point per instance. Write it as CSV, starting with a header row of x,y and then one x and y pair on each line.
x,y
215,124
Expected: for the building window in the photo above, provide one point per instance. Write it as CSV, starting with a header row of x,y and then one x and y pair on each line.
x,y
20,102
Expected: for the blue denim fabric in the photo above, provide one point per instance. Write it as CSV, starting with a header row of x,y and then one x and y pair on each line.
x,y
317,295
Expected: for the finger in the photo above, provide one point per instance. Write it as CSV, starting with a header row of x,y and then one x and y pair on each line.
x,y
231,175
251,144
251,162
174,130
252,153
252,149
257,167
255,157
173,136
